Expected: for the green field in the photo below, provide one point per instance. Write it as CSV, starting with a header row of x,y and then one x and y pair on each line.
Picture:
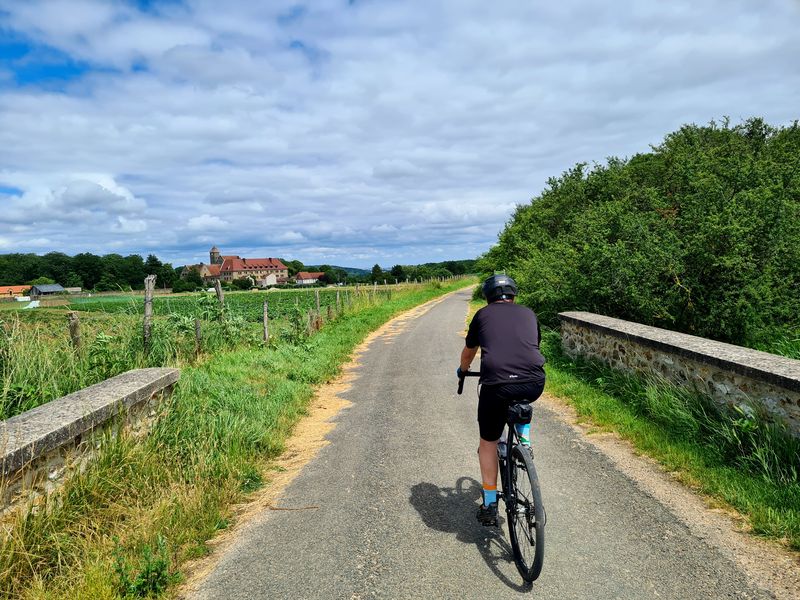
x,y
247,305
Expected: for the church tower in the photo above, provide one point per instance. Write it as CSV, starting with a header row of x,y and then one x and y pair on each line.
x,y
215,257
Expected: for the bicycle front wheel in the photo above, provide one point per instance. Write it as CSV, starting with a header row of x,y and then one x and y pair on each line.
x,y
525,512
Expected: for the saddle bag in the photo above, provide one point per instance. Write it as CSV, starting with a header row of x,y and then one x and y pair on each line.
x,y
520,413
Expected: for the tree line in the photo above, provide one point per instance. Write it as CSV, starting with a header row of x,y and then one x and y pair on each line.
x,y
700,235
401,273
116,272
85,270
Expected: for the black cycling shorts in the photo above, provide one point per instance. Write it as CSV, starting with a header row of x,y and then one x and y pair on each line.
x,y
494,401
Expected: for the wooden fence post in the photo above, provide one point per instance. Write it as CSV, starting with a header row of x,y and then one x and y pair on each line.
x,y
198,338
74,329
338,305
220,293
316,294
266,321
149,286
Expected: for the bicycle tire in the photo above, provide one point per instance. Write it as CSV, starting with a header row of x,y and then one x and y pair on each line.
x,y
525,513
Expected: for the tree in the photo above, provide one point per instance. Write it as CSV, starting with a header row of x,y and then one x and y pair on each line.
x,y
16,269
193,276
107,283
294,266
167,276
152,265
42,281
56,265
89,268
133,271
398,272
243,283
189,282
72,280
377,273
113,269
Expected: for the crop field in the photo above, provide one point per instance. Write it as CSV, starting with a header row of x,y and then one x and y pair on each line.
x,y
246,305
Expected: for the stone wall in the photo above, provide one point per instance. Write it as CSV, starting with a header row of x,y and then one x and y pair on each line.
x,y
732,375
40,448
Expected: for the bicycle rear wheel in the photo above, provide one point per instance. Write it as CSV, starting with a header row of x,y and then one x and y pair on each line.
x,y
525,512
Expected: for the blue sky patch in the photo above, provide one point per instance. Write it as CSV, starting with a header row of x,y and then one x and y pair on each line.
x,y
292,15
10,191
33,64
152,6
313,55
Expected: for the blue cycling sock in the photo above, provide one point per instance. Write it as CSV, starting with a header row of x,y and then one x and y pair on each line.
x,y
524,433
489,494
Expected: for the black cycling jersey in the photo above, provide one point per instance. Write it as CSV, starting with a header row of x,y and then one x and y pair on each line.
x,y
508,335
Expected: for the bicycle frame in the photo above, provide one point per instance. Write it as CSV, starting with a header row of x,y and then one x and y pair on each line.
x,y
529,508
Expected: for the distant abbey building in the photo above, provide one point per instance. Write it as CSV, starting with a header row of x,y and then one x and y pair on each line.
x,y
263,271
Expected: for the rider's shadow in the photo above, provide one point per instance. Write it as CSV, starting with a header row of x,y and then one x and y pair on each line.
x,y
452,510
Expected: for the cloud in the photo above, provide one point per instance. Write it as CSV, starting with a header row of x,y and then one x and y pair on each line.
x,y
130,225
206,223
288,237
372,132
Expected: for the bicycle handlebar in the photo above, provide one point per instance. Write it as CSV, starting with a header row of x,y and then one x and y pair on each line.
x,y
464,376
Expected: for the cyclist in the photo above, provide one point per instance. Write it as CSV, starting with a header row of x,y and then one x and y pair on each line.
x,y
512,368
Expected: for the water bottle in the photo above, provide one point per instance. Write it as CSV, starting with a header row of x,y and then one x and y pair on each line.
x,y
501,449
502,445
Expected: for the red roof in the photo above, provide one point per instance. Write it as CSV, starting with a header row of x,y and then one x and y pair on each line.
x,y
305,275
13,290
234,263
213,270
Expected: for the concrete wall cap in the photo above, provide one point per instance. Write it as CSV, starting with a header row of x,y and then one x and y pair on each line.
x,y
55,423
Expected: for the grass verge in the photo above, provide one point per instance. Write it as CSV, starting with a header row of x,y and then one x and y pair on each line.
x,y
738,458
122,528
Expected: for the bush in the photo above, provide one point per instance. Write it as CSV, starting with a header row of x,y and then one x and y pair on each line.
x,y
245,283
700,235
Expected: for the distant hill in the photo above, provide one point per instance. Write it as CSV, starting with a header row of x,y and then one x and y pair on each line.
x,y
348,270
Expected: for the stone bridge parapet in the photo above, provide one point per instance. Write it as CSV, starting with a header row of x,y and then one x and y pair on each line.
x,y
732,375
43,446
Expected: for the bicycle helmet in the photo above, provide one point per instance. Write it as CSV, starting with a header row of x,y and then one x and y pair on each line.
x,y
499,287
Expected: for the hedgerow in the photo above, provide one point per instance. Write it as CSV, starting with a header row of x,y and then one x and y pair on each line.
x,y
700,235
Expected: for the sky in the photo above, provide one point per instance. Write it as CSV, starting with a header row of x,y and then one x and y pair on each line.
x,y
350,132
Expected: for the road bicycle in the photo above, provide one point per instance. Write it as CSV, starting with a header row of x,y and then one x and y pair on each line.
x,y
520,492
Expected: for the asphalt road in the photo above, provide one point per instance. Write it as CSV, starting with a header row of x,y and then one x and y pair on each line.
x,y
398,486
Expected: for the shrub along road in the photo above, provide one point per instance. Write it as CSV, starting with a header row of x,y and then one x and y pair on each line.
x,y
388,507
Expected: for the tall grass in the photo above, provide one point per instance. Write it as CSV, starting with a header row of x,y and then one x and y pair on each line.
x,y
39,364
781,342
123,527
737,455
